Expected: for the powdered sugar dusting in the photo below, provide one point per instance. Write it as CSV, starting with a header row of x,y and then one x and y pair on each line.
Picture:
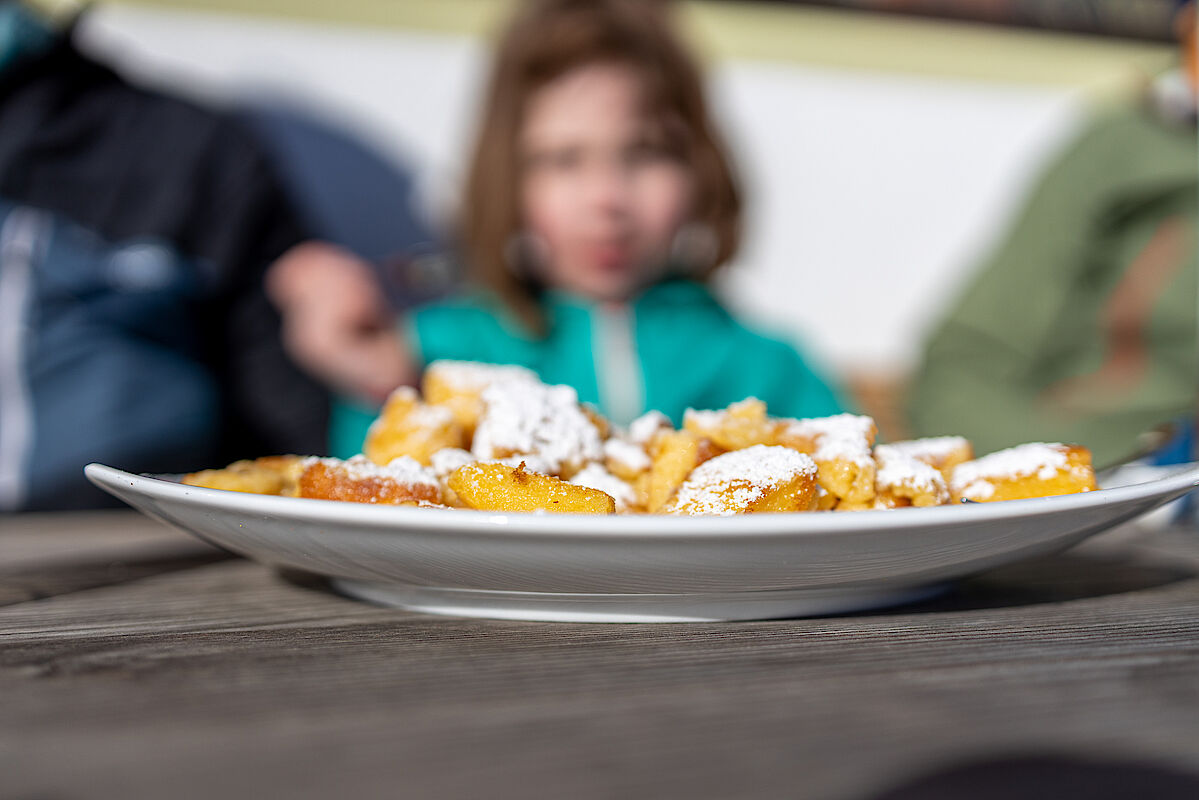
x,y
408,394
629,456
1038,458
430,417
846,437
594,476
978,490
404,470
475,376
520,417
694,418
420,416
933,448
899,470
448,459
735,480
642,429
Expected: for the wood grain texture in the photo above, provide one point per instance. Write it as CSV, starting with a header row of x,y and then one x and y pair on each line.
x,y
42,555
226,679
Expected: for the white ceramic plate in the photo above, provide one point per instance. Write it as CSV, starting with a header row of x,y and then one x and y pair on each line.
x,y
635,568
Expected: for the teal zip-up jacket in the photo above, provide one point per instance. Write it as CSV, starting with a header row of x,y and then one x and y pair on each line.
x,y
674,347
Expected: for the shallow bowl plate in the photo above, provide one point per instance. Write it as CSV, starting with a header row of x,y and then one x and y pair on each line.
x,y
635,568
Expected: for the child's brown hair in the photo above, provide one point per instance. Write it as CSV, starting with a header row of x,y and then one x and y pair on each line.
x,y
547,39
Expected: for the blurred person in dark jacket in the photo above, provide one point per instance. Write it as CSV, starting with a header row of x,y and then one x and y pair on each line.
x,y
135,233
1082,325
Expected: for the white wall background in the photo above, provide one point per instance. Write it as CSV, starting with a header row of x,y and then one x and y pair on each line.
x,y
871,195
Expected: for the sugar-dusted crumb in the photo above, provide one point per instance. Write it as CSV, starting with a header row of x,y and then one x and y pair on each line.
x,y
841,437
475,376
533,418
901,475
402,470
448,459
702,418
594,476
708,418
734,481
630,457
361,480
1029,470
417,414
979,490
1037,458
495,487
932,448
642,429
897,468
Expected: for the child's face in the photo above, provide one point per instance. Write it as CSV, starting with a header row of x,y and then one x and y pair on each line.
x,y
600,189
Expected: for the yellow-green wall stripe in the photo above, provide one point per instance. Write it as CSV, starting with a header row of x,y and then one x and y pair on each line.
x,y
773,32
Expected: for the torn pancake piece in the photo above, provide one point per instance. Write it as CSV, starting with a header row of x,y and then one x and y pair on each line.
x,y
498,487
903,480
758,479
841,447
522,418
943,453
1038,469
459,386
408,427
403,481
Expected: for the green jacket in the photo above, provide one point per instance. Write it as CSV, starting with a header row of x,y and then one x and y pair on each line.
x,y
671,348
1082,326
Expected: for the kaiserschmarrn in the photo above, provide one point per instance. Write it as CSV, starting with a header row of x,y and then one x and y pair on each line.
x,y
495,438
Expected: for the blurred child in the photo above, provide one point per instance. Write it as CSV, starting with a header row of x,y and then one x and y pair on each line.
x,y
598,203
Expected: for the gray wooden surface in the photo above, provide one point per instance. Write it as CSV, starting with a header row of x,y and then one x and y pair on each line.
x,y
136,662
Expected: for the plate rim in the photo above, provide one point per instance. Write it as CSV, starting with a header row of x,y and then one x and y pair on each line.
x,y
638,526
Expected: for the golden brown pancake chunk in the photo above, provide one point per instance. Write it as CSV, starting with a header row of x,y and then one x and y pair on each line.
x,y
624,493
903,480
267,475
941,452
498,487
625,458
757,479
459,386
674,454
841,447
743,424
643,429
1028,470
600,422
359,480
408,427
446,462
521,418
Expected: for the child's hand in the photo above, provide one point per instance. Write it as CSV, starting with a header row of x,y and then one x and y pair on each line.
x,y
336,323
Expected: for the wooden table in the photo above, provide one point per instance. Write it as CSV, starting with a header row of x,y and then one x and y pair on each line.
x,y
137,662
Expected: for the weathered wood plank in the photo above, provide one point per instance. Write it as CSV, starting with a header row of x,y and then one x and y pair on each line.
x,y
27,538
245,594
427,705
50,554
779,734
224,679
458,707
